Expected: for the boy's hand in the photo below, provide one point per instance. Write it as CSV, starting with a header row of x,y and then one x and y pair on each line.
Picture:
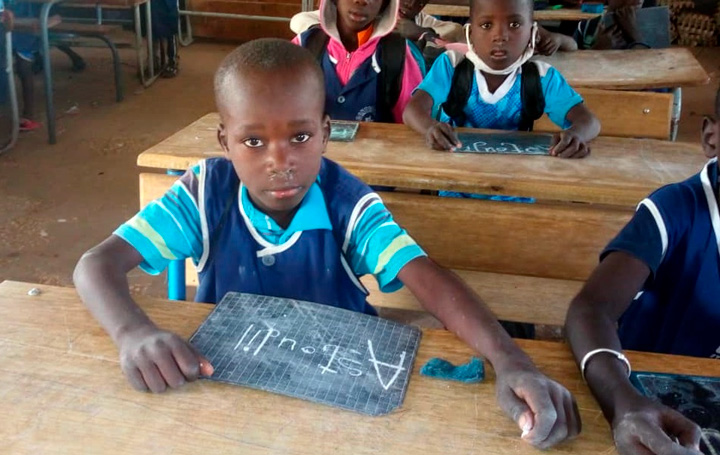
x,y
153,359
543,409
626,20
548,43
567,144
646,428
609,38
8,20
408,29
440,136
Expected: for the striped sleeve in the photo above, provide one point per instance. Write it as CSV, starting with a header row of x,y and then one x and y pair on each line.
x,y
379,246
168,228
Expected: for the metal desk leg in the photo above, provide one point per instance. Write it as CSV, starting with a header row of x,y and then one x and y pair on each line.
x,y
148,35
676,111
12,95
47,70
176,270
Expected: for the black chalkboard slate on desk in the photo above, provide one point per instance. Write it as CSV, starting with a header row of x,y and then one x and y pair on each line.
x,y
695,397
509,143
305,350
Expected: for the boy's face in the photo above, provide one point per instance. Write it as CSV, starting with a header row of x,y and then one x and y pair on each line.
x,y
357,15
500,31
711,136
410,8
274,131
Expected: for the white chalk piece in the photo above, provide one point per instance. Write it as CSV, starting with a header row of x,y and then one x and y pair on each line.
x,y
310,351
34,291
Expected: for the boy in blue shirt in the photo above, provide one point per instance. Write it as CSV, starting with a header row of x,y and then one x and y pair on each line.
x,y
274,216
657,288
501,39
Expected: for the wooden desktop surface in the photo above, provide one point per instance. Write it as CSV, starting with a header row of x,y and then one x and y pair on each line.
x,y
618,172
63,392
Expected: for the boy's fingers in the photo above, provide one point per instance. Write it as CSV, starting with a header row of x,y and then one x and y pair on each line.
x,y
187,359
544,412
687,432
169,369
152,376
559,430
440,140
449,133
206,368
517,409
136,380
561,144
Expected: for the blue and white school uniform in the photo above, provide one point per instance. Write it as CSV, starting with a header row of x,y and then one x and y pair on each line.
x,y
340,232
676,232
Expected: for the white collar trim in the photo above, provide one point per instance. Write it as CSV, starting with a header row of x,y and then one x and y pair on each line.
x,y
500,93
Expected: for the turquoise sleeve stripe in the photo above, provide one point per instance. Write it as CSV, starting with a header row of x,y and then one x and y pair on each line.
x,y
559,97
379,246
166,229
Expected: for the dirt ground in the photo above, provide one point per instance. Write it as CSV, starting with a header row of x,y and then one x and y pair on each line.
x,y
56,201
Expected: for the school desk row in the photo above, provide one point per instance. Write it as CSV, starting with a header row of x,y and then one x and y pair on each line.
x,y
64,393
527,261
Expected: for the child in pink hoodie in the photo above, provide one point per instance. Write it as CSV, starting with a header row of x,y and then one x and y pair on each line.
x,y
350,43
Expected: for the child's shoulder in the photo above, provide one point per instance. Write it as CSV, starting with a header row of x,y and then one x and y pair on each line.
x,y
682,201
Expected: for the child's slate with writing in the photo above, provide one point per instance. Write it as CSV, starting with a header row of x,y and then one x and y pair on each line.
x,y
343,131
505,143
306,350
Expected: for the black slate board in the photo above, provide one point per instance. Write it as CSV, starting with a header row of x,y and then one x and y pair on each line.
x,y
696,397
305,350
343,131
505,143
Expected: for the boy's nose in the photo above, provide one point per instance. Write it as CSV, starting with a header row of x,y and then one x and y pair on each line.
x,y
279,158
500,34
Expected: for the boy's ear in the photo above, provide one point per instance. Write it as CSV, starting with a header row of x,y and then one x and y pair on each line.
x,y
222,137
710,137
326,131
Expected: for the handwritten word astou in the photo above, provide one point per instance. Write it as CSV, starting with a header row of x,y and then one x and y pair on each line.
x,y
336,359
509,148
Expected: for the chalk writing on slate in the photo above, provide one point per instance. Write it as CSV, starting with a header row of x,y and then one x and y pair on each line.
x,y
695,397
306,350
343,130
505,144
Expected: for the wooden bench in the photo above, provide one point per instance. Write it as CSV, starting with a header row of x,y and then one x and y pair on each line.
x,y
625,113
527,261
32,24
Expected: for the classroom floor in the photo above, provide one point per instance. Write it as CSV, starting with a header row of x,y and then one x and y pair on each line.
x,y
57,201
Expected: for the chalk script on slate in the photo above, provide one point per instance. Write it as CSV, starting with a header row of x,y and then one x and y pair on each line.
x,y
306,350
505,143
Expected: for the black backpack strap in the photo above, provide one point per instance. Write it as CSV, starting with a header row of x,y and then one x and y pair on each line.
x,y
392,60
531,93
454,105
316,41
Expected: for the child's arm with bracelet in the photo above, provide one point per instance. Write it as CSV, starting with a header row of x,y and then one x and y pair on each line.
x,y
572,142
418,116
151,358
639,425
543,409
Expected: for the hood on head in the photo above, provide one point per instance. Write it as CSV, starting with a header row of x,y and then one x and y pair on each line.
x,y
384,24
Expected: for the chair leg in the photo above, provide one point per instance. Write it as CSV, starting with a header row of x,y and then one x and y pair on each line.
x,y
117,69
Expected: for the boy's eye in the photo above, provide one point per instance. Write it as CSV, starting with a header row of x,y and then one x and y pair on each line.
x,y
485,25
253,142
300,138
515,24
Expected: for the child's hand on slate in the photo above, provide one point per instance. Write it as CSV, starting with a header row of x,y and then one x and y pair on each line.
x,y
440,136
154,359
641,426
567,144
543,409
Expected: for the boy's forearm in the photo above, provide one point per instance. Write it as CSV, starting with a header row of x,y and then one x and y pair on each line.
x,y
103,288
568,44
417,113
583,123
587,329
462,312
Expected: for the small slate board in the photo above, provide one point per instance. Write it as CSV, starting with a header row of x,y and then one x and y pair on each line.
x,y
696,397
505,143
343,131
306,350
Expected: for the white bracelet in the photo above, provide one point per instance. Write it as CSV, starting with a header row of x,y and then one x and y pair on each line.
x,y
617,354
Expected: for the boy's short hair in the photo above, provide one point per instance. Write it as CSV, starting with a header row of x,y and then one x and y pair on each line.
x,y
529,3
265,55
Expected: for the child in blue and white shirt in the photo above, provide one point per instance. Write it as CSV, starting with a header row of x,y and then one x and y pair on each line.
x,y
501,38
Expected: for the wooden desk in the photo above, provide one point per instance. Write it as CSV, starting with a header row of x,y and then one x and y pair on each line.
x,y
563,14
64,393
619,172
636,69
